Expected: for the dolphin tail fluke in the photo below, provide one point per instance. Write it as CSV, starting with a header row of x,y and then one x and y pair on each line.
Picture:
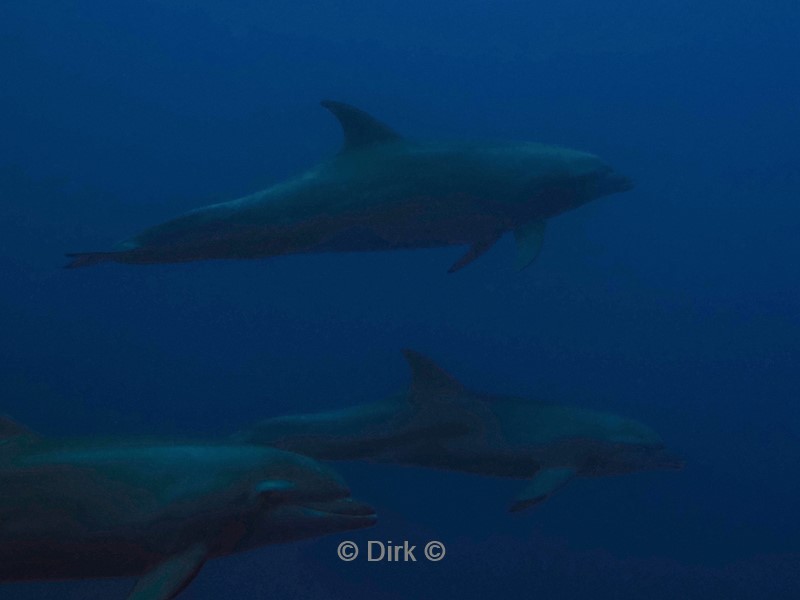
x,y
88,259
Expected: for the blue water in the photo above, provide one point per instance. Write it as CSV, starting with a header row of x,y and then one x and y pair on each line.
x,y
677,303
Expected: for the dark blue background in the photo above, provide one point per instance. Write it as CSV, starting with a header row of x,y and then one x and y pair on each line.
x,y
676,303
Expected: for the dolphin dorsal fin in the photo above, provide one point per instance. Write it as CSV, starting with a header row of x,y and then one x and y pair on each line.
x,y
429,382
360,129
9,428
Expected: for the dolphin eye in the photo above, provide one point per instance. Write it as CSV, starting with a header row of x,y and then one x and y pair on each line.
x,y
274,485
273,491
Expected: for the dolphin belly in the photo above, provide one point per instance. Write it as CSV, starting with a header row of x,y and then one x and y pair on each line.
x,y
394,228
416,229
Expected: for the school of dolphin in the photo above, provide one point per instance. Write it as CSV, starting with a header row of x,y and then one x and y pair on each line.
x,y
157,510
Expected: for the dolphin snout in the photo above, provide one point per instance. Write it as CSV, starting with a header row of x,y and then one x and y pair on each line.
x,y
619,182
606,181
670,462
337,491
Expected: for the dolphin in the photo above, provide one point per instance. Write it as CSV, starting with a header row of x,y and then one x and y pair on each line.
x,y
439,423
155,510
384,192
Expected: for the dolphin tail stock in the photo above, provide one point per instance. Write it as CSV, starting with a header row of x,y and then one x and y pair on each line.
x,y
88,259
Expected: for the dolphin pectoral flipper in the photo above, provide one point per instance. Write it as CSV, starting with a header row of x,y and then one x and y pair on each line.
x,y
170,577
475,251
543,485
529,238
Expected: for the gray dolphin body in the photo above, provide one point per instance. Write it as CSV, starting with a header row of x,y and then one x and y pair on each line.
x,y
155,510
438,423
383,192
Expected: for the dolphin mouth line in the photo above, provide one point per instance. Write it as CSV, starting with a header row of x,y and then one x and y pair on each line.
x,y
343,508
674,465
